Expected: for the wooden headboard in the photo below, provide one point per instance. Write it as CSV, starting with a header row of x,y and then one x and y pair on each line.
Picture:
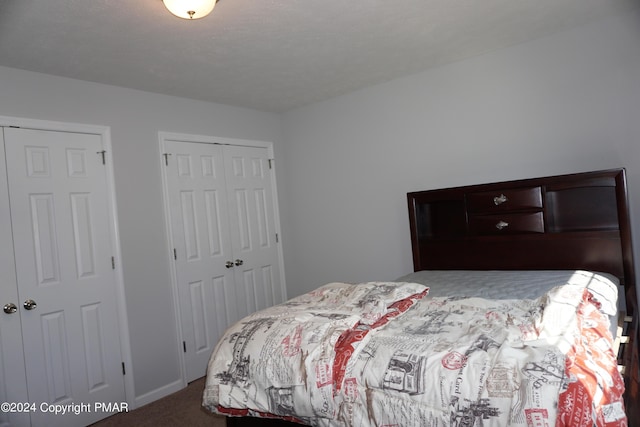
x,y
565,222
578,221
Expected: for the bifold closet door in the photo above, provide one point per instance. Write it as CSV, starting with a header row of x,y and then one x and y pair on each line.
x,y
65,278
223,231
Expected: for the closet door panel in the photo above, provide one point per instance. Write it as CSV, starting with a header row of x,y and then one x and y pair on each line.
x,y
198,210
13,382
253,229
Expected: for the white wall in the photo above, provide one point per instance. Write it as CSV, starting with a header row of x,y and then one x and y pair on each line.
x,y
563,104
135,118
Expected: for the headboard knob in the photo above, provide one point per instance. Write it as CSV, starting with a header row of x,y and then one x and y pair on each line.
x,y
498,200
502,224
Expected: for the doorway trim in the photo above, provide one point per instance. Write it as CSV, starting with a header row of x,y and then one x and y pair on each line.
x,y
162,138
104,132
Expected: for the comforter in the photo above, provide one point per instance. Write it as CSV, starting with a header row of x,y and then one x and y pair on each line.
x,y
386,354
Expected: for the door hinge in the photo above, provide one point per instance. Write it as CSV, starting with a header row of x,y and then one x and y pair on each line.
x,y
103,152
166,158
175,254
113,263
270,163
277,239
184,346
124,371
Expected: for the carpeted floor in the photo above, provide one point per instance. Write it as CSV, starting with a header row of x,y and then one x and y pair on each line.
x,y
180,408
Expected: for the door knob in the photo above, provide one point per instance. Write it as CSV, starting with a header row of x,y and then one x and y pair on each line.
x,y
30,304
239,262
10,308
228,264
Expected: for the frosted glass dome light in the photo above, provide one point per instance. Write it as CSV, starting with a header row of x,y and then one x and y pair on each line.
x,y
190,9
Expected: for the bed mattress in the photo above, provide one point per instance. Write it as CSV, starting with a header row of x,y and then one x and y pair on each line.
x,y
521,284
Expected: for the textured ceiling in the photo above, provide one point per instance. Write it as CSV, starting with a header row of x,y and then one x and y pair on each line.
x,y
271,55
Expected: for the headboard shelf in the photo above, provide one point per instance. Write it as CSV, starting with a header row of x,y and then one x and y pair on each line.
x,y
576,221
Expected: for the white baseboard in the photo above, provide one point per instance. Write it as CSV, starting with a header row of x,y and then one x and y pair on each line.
x,y
158,393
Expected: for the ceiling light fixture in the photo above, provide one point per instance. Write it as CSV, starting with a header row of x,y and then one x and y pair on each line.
x,y
190,9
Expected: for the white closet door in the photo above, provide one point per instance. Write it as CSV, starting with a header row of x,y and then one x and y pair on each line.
x,y
199,222
252,221
58,197
221,208
13,383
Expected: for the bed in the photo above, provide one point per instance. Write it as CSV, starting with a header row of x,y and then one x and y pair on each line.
x,y
521,310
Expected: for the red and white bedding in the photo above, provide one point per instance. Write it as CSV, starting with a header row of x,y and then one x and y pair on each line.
x,y
386,354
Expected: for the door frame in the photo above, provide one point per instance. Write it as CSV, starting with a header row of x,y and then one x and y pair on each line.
x,y
166,136
104,132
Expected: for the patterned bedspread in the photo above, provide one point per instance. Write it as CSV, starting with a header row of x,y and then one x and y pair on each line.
x,y
386,354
